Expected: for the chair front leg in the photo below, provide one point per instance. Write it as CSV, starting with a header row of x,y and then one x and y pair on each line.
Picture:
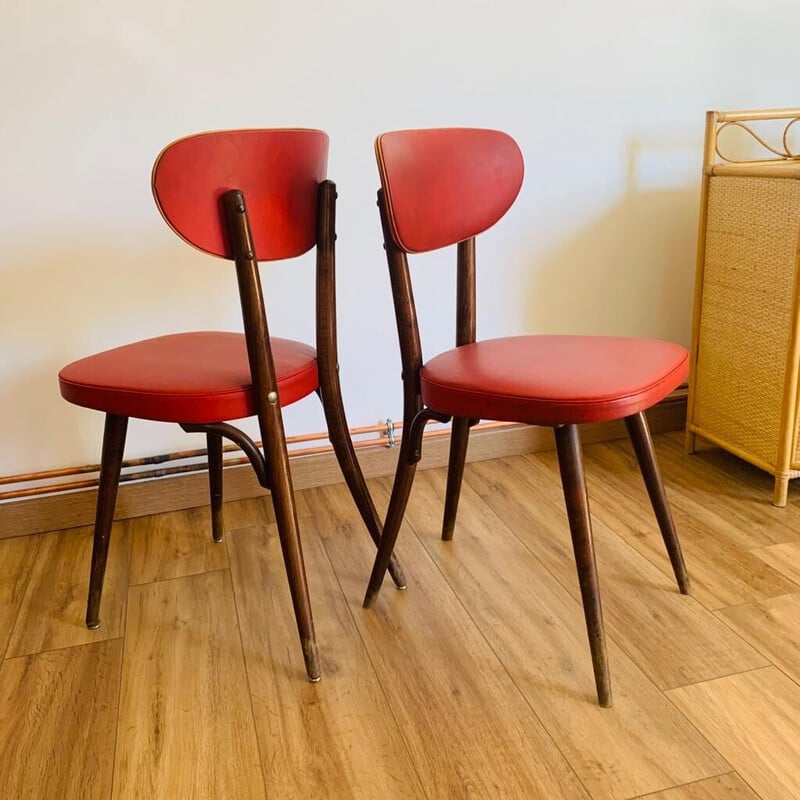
x,y
110,467
459,439
214,446
282,495
570,462
639,433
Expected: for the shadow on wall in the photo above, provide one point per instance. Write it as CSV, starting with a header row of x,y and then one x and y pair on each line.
x,y
630,271
69,299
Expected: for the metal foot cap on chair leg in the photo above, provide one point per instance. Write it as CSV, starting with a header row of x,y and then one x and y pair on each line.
x,y
398,576
92,625
312,661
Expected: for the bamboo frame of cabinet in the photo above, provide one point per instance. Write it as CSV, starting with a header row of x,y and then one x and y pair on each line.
x,y
746,400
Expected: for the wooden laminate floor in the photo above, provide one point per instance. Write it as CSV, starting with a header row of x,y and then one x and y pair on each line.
x,y
474,683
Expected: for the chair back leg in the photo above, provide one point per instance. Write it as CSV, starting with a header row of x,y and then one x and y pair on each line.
x,y
459,439
214,446
401,489
346,456
639,433
110,466
570,462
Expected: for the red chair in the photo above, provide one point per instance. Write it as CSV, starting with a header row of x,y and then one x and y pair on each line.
x,y
245,196
443,187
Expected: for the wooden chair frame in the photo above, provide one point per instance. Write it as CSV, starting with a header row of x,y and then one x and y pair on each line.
x,y
272,464
568,447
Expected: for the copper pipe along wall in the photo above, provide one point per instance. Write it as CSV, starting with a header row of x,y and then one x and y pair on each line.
x,y
200,467
179,455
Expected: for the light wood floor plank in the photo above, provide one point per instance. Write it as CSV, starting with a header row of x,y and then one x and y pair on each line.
x,y
257,510
744,522
185,722
173,545
725,787
746,483
58,714
722,569
730,487
470,732
537,629
53,608
475,683
773,626
753,719
783,557
16,560
334,740
673,638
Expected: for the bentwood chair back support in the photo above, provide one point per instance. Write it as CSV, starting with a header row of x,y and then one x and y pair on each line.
x,y
245,196
443,187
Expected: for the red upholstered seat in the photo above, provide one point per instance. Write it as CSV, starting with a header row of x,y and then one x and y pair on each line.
x,y
194,377
553,380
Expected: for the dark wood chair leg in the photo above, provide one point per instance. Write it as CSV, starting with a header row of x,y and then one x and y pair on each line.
x,y
459,439
410,450
401,489
570,462
642,442
214,445
289,532
110,466
410,454
354,477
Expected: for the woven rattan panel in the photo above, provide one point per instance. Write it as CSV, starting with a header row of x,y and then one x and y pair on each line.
x,y
751,247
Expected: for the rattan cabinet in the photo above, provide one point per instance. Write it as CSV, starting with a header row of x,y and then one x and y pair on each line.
x,y
743,386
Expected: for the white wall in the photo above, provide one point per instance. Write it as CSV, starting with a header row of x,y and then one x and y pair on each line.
x,y
605,99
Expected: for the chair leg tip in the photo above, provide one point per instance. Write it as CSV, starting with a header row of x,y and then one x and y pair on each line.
x,y
93,625
397,576
604,698
369,598
312,660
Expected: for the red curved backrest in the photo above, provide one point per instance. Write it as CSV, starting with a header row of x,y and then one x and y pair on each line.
x,y
445,185
278,170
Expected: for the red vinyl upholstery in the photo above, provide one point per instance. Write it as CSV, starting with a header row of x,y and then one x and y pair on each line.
x,y
553,380
277,170
197,377
445,185
204,377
